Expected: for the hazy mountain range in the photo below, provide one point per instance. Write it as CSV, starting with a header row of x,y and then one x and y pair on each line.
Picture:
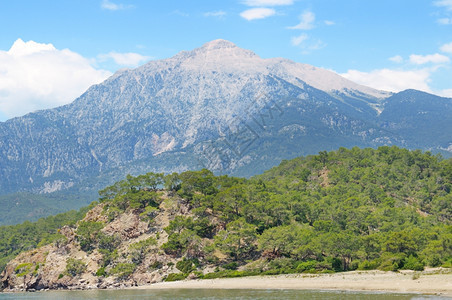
x,y
217,106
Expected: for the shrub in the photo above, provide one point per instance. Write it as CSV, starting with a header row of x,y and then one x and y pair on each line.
x,y
307,266
108,242
101,272
447,263
391,261
139,250
368,265
155,265
413,263
176,276
149,213
74,267
108,256
23,269
232,274
187,265
123,270
336,264
231,266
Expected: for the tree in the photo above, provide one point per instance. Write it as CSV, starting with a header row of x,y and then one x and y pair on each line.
x,y
237,240
172,182
231,202
139,250
123,270
284,240
340,245
88,234
323,157
75,267
197,181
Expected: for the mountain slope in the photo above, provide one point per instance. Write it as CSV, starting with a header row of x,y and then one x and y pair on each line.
x,y
217,106
412,114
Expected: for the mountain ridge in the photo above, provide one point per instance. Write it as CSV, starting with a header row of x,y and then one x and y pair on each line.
x,y
195,110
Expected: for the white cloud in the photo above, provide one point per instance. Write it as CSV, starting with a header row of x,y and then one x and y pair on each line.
x,y
397,59
306,44
329,23
392,80
125,59
36,76
445,21
257,13
108,5
307,19
446,93
447,48
297,40
432,58
267,2
180,13
316,46
444,3
218,14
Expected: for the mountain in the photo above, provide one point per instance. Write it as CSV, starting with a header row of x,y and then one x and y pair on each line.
x,y
217,106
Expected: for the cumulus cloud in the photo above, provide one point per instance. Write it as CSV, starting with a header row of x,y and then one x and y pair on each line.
x,y
444,3
257,13
392,80
397,59
445,21
297,40
125,59
307,19
218,14
37,76
329,23
432,58
267,2
447,48
447,4
108,5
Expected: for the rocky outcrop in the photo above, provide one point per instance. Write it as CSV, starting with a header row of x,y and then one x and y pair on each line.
x,y
48,267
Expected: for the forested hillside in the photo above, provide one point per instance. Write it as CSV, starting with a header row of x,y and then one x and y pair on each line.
x,y
385,208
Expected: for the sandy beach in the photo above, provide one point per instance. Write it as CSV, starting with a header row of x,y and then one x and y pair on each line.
x,y
428,282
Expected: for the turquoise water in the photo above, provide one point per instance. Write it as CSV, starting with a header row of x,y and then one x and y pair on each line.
x,y
210,294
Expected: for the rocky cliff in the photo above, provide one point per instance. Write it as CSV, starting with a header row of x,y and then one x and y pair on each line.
x,y
66,264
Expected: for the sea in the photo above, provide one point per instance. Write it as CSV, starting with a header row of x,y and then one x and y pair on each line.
x,y
211,294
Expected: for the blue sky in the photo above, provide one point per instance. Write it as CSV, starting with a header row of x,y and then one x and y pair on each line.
x,y
51,51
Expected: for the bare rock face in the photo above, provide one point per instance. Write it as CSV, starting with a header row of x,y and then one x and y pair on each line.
x,y
47,267
95,215
127,226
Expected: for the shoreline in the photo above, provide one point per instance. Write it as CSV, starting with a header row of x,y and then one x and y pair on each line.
x,y
432,282
428,283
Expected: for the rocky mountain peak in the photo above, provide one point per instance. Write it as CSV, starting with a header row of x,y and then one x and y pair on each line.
x,y
162,115
219,44
217,54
